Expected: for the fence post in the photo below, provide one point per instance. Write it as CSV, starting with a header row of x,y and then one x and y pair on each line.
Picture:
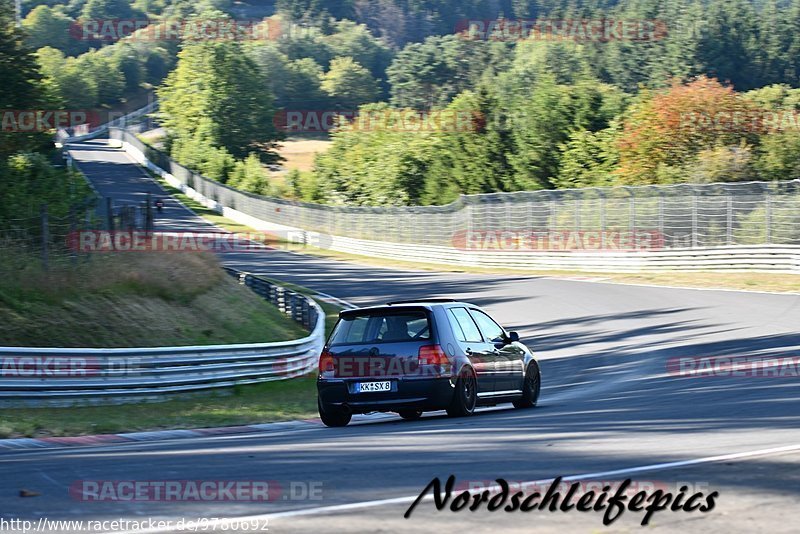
x,y
768,209
45,237
729,221
73,239
148,223
602,194
87,225
661,202
694,217
470,219
631,209
109,214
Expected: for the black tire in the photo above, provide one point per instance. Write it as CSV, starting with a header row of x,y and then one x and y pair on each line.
x,y
333,416
530,388
410,415
465,396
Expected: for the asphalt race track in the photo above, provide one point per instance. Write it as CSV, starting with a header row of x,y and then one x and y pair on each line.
x,y
608,404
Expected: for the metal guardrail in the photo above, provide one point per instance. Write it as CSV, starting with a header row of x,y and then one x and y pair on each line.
x,y
57,376
64,137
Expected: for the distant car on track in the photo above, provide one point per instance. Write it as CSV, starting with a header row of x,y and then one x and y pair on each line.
x,y
415,356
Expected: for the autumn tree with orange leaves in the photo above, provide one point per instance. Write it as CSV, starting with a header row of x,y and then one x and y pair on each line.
x,y
665,131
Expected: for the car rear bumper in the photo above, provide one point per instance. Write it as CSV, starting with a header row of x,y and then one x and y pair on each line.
x,y
407,393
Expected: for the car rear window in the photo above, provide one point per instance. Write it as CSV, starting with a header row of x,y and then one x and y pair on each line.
x,y
381,327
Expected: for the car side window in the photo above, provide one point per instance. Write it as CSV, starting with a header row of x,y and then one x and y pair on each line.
x,y
465,328
490,329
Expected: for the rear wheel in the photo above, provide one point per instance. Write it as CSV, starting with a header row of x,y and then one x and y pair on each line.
x,y
465,395
332,415
530,388
410,415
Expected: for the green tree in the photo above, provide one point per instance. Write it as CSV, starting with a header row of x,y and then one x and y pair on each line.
x,y
249,175
729,45
349,84
217,81
384,164
108,10
22,86
589,159
101,68
355,40
66,78
45,26
472,155
431,73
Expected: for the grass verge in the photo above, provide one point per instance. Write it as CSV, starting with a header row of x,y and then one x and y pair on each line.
x,y
129,300
258,403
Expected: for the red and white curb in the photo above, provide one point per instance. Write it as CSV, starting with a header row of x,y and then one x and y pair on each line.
x,y
161,435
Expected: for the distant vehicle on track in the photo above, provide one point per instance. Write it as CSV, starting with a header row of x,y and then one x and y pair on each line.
x,y
411,357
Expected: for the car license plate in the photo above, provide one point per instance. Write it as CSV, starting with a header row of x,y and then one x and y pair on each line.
x,y
369,387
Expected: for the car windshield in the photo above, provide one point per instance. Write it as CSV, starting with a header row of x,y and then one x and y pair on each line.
x,y
378,327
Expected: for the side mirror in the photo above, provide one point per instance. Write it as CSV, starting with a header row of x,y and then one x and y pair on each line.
x,y
510,338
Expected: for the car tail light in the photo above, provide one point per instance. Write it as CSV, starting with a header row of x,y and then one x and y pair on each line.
x,y
325,362
432,355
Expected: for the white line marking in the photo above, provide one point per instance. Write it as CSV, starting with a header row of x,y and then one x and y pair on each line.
x,y
410,499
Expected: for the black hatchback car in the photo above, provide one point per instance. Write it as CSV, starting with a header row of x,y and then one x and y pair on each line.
x,y
411,357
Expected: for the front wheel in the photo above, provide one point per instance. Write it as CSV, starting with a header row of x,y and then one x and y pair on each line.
x,y
530,388
333,416
465,395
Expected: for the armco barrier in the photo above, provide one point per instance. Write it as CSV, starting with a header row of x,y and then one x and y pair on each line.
x,y
772,258
63,137
58,376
